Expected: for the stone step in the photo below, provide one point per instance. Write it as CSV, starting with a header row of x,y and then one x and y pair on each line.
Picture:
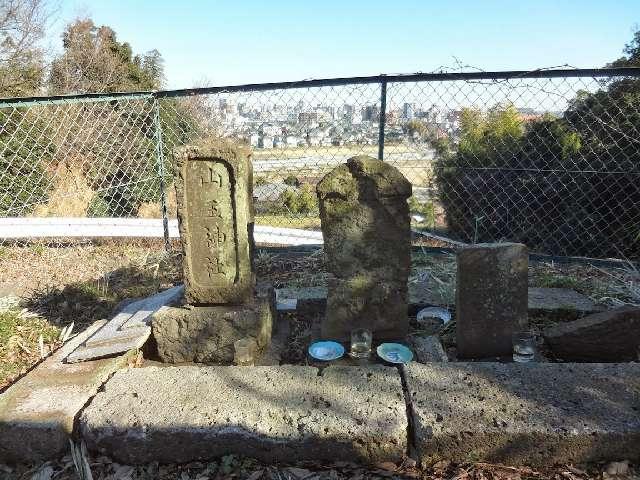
x,y
542,301
535,414
180,414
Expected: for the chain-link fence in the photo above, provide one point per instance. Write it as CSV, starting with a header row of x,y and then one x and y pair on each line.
x,y
547,158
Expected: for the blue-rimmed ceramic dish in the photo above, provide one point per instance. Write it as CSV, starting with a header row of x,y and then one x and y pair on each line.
x,y
326,350
394,353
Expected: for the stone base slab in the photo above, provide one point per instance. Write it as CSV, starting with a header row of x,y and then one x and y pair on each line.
x,y
181,414
37,412
535,414
207,334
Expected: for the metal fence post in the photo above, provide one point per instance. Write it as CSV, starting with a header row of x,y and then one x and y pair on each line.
x,y
160,160
383,118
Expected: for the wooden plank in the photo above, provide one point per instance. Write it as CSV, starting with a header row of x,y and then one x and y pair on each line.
x,y
129,329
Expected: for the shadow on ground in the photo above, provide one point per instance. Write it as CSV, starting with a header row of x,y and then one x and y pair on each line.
x,y
85,302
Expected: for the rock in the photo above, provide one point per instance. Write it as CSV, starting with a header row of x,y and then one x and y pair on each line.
x,y
429,349
525,414
215,213
611,336
491,298
559,302
37,412
274,414
367,240
207,334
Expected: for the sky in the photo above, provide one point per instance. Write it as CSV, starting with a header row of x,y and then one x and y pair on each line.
x,y
250,41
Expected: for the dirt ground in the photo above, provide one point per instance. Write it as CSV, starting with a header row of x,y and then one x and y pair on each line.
x,y
231,467
47,288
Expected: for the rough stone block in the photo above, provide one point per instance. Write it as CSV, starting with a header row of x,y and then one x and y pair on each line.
x,y
429,349
37,412
491,298
181,414
534,414
367,241
612,336
207,334
215,214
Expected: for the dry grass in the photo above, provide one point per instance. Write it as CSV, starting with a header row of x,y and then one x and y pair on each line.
x,y
611,286
154,209
70,195
25,338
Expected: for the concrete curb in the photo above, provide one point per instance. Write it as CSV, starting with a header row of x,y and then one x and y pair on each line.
x,y
37,412
287,413
535,414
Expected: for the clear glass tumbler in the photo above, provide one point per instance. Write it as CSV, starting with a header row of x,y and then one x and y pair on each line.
x,y
245,351
524,347
360,343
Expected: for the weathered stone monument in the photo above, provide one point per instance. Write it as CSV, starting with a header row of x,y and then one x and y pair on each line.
x,y
215,213
367,241
491,298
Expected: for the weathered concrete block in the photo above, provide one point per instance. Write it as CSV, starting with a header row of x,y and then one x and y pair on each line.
x,y
215,212
367,241
491,298
207,334
534,414
37,412
180,414
612,336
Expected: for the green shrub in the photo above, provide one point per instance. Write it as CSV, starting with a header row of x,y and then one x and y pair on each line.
x,y
98,207
303,200
27,151
426,209
292,180
554,183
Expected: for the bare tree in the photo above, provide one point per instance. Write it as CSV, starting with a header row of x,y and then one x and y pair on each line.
x,y
22,28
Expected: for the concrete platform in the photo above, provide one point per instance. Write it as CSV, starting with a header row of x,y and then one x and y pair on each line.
x,y
180,414
37,412
535,414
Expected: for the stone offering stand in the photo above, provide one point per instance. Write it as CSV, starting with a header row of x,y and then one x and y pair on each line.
x,y
196,405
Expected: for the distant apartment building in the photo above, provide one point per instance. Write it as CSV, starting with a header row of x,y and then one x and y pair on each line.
x,y
266,142
407,111
371,113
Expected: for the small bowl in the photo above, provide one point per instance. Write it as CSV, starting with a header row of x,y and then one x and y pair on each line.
x,y
326,350
394,353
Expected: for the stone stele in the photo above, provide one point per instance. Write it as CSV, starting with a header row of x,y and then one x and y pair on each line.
x,y
367,241
215,214
491,298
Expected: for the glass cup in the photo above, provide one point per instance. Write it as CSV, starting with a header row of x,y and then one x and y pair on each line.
x,y
245,352
524,347
360,343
